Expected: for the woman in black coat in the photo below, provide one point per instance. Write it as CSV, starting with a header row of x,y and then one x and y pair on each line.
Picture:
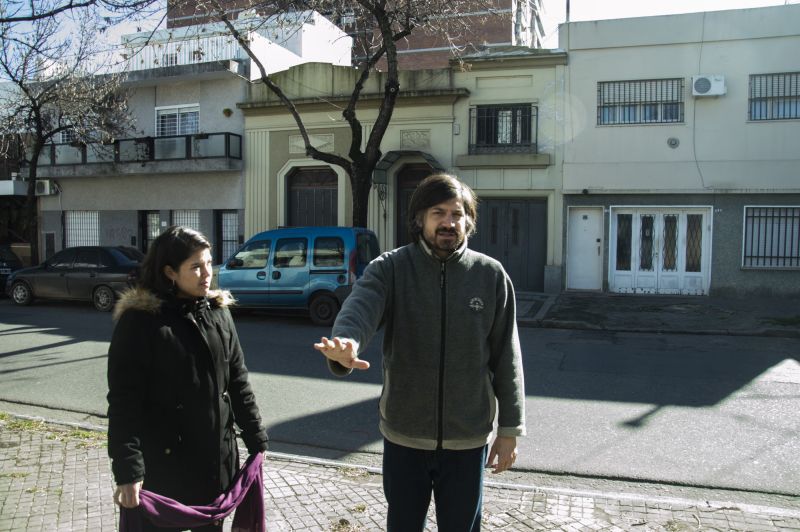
x,y
177,381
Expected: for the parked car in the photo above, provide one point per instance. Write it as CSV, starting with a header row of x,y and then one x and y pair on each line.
x,y
9,262
90,273
308,268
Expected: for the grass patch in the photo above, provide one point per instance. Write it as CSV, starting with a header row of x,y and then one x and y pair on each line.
x,y
343,525
4,416
360,508
15,474
86,439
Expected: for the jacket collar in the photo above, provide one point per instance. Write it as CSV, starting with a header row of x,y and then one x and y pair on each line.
x,y
455,256
145,300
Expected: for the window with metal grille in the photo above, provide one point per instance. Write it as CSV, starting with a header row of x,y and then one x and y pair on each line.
x,y
81,228
774,96
503,129
182,120
150,223
771,237
646,101
227,234
187,218
66,136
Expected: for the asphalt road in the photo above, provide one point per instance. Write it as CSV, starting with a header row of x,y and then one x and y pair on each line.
x,y
711,411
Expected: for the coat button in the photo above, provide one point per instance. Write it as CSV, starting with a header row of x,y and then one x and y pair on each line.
x,y
167,451
179,407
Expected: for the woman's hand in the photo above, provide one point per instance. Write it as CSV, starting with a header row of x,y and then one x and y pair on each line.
x,y
127,495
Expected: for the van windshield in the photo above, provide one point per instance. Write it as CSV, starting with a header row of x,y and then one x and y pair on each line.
x,y
368,248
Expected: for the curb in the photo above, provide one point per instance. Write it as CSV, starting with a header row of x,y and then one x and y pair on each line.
x,y
551,323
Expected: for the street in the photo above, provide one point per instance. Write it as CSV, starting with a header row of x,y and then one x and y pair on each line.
x,y
712,411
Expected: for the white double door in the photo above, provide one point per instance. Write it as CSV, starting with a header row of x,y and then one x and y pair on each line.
x,y
660,250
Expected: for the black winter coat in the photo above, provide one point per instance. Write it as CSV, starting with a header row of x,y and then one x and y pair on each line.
x,y
177,384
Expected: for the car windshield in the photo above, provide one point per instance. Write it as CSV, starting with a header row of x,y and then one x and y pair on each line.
x,y
6,255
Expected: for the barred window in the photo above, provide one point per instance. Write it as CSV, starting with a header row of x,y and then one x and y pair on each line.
x,y
771,237
503,129
182,120
81,228
647,101
774,96
187,218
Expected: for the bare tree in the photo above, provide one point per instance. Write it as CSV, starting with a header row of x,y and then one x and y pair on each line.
x,y
16,11
377,26
51,82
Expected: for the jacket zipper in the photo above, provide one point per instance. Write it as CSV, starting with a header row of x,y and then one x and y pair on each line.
x,y
442,288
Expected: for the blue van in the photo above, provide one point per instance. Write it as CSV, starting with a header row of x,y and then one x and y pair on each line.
x,y
309,268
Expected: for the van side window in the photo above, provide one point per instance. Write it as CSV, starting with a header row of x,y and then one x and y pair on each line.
x,y
329,251
254,254
291,252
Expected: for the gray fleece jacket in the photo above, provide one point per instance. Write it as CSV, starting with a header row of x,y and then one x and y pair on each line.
x,y
451,354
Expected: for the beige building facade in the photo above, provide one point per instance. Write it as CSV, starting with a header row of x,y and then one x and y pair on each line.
x,y
493,121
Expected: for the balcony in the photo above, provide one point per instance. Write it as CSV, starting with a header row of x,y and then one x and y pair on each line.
x,y
503,136
204,152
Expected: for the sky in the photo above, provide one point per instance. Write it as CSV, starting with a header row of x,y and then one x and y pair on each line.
x,y
555,10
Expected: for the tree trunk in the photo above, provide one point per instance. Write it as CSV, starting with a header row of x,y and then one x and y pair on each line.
x,y
31,211
361,182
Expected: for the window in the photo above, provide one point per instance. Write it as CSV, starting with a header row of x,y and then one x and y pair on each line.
x,y
62,259
227,234
774,96
254,254
187,218
169,59
503,128
150,226
328,251
66,136
648,101
87,258
771,237
81,228
290,252
182,120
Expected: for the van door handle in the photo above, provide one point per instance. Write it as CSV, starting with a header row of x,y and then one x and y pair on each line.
x,y
276,275
261,276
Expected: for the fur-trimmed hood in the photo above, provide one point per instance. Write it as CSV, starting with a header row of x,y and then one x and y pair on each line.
x,y
143,299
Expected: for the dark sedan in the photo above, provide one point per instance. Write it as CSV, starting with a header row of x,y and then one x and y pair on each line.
x,y
9,262
87,273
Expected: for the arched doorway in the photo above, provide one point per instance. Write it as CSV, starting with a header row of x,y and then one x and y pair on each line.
x,y
408,178
312,197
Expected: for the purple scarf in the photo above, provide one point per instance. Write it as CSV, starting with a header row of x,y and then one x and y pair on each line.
x,y
245,492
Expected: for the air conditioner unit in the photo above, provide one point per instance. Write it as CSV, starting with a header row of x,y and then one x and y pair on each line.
x,y
708,85
45,187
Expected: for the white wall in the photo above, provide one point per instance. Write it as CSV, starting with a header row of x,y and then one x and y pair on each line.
x,y
719,149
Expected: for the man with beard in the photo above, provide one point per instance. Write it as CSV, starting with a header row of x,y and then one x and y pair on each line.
x,y
452,364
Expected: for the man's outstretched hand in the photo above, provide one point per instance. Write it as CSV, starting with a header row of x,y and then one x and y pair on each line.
x,y
341,350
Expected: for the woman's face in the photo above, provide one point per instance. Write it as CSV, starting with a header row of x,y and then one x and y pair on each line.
x,y
193,277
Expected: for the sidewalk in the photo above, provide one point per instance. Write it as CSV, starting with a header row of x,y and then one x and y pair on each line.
x,y
54,477
752,316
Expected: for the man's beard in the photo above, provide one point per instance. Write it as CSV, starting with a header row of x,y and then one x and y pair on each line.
x,y
448,247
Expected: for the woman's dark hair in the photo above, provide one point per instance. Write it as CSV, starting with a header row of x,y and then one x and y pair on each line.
x,y
171,248
436,189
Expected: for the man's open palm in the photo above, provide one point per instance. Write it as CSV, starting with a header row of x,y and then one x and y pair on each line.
x,y
341,350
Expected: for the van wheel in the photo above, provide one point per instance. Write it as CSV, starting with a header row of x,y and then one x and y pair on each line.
x,y
103,298
323,310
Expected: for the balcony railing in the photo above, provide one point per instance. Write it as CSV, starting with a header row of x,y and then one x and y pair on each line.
x,y
503,129
184,52
145,149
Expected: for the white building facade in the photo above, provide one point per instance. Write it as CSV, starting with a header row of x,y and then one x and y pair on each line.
x,y
681,170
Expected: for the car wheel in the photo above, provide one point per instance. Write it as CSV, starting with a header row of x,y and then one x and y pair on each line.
x,y
323,310
103,298
21,293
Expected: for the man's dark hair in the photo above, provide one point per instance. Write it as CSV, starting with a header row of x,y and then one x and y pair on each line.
x,y
436,189
171,248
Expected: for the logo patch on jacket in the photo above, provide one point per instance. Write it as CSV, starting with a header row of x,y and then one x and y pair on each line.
x,y
476,304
